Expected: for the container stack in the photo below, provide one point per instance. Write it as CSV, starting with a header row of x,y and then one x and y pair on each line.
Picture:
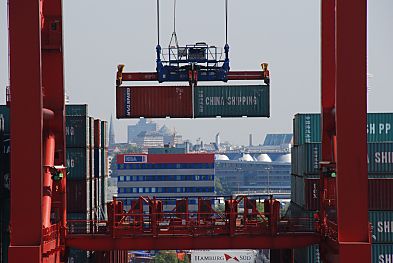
x,y
104,167
97,170
79,161
4,182
306,155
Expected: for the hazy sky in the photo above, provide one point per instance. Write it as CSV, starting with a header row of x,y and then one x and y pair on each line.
x,y
100,34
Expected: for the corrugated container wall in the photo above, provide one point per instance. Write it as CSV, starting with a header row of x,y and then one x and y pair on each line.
x,y
382,253
77,161
104,187
77,131
380,194
78,195
308,254
91,167
104,163
4,195
307,128
97,134
5,116
208,101
382,226
76,255
97,162
163,101
76,110
306,158
305,193
231,101
104,134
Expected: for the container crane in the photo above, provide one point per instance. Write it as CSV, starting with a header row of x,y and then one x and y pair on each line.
x,y
36,84
191,62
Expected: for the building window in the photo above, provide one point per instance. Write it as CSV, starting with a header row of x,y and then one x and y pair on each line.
x,y
153,189
140,189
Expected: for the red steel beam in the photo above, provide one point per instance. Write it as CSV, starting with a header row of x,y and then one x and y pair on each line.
x,y
26,131
351,88
107,242
232,75
140,76
328,93
245,75
53,72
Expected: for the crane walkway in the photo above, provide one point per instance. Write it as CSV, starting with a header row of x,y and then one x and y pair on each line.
x,y
215,223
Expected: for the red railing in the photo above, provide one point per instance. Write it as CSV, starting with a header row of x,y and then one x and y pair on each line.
x,y
217,221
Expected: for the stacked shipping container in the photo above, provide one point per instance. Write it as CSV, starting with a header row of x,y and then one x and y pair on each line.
x,y
306,155
84,194
104,166
4,182
86,164
101,169
79,162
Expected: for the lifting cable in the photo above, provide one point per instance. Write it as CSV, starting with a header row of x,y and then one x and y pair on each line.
x,y
226,21
158,22
174,36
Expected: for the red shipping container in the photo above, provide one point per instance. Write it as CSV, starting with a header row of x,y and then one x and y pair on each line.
x,y
154,102
97,134
311,194
380,193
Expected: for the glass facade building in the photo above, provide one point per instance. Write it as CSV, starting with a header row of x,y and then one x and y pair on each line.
x,y
165,175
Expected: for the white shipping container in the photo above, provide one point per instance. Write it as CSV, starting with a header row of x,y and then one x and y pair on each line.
x,y
223,256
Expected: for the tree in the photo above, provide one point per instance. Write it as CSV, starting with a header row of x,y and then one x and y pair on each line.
x,y
164,257
218,186
170,257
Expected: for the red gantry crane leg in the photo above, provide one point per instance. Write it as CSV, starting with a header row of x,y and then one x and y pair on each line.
x,y
26,131
37,130
344,37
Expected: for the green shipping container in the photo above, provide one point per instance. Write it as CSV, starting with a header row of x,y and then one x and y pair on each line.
x,y
308,254
104,188
382,226
307,127
306,158
231,101
76,255
97,162
77,160
76,110
77,131
104,163
4,227
380,158
5,118
104,134
382,253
